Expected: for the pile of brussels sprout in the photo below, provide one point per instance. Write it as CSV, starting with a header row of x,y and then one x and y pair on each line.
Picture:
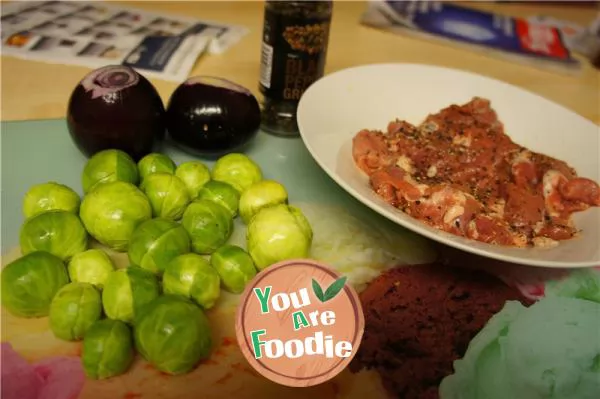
x,y
174,223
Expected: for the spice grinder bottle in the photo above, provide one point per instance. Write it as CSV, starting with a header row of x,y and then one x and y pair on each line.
x,y
294,49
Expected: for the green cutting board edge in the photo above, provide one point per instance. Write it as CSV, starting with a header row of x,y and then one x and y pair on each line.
x,y
42,150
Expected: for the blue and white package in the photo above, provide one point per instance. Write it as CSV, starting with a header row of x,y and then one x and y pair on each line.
x,y
478,29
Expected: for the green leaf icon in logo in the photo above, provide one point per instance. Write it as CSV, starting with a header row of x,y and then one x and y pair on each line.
x,y
317,290
330,292
334,289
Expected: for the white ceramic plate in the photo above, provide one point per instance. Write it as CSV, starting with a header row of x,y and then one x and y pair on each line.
x,y
339,105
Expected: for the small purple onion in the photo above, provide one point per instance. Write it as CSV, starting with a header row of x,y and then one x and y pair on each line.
x,y
210,116
116,107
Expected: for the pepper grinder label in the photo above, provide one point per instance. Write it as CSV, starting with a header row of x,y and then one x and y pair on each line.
x,y
293,54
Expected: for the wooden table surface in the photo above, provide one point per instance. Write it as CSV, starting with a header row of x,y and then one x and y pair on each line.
x,y
36,90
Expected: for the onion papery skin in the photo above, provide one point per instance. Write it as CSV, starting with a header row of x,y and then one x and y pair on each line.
x,y
115,107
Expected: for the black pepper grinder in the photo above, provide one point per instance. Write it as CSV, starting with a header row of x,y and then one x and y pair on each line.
x,y
294,49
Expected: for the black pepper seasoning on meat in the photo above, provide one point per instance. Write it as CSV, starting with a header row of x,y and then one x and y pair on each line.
x,y
294,48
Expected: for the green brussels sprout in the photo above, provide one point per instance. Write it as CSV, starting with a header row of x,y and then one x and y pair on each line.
x,y
50,196
92,266
194,175
260,195
155,242
30,282
107,349
278,233
238,170
167,194
109,166
192,276
209,225
126,291
173,334
112,211
59,232
155,163
234,266
74,308
221,193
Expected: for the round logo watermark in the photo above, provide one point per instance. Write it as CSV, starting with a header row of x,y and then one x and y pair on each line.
x,y
299,323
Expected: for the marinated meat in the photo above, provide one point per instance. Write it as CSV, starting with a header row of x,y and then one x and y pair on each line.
x,y
370,151
459,172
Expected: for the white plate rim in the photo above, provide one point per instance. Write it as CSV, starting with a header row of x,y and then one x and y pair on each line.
x,y
425,230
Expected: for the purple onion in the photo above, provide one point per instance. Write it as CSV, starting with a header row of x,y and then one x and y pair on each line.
x,y
212,116
116,107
